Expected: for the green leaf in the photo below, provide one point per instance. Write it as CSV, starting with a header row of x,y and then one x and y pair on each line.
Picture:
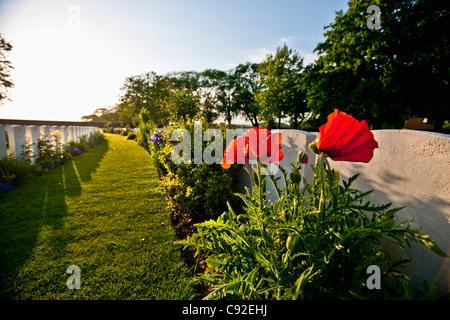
x,y
409,293
425,240
350,181
358,296
216,263
301,282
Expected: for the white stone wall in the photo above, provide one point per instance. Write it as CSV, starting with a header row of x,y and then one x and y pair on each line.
x,y
3,150
412,169
292,142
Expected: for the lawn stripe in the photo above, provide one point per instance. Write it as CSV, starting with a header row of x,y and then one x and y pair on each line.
x,y
101,212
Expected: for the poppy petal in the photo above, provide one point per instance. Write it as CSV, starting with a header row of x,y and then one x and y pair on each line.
x,y
343,138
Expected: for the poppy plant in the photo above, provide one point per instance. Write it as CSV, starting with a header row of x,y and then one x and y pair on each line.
x,y
343,138
256,144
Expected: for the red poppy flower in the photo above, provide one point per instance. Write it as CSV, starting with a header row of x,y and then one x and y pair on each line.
x,y
257,144
235,152
264,146
343,138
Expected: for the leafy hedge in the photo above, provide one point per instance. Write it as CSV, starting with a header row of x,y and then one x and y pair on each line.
x,y
194,192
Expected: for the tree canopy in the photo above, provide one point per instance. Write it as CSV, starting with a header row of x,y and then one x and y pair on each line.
x,y
5,68
282,94
386,74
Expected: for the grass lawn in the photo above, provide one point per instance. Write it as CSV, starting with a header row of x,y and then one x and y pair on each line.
x,y
102,212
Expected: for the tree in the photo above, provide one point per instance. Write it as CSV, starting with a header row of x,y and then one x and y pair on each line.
x,y
349,66
182,105
246,79
147,91
225,92
184,79
209,83
5,67
217,93
282,94
106,114
419,52
384,75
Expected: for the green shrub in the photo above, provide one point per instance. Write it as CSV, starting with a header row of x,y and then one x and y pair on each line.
x,y
201,191
82,144
50,156
198,191
109,128
162,160
17,172
132,136
53,160
145,132
85,143
95,138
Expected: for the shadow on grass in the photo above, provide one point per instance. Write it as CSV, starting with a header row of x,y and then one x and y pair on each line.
x,y
37,207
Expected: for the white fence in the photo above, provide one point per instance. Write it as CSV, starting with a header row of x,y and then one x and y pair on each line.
x,y
410,168
19,136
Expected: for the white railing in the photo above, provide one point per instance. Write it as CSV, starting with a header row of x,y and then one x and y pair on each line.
x,y
19,136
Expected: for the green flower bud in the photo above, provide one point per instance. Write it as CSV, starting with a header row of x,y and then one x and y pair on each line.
x,y
293,242
312,146
295,176
302,157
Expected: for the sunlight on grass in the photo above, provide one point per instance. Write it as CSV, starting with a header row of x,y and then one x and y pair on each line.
x,y
76,171
101,212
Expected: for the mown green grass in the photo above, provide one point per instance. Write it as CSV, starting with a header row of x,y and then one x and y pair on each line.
x,y
102,212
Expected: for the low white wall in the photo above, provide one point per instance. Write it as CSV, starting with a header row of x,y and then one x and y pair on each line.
x,y
292,142
3,149
19,136
410,168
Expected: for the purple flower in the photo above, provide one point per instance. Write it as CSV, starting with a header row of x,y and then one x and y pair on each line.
x,y
5,187
74,151
158,139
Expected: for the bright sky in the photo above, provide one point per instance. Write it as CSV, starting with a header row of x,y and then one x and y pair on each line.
x,y
71,57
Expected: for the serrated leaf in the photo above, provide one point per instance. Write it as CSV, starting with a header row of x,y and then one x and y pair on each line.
x,y
425,240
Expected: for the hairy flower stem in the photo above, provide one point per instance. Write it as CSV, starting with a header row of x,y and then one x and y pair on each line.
x,y
322,182
261,201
